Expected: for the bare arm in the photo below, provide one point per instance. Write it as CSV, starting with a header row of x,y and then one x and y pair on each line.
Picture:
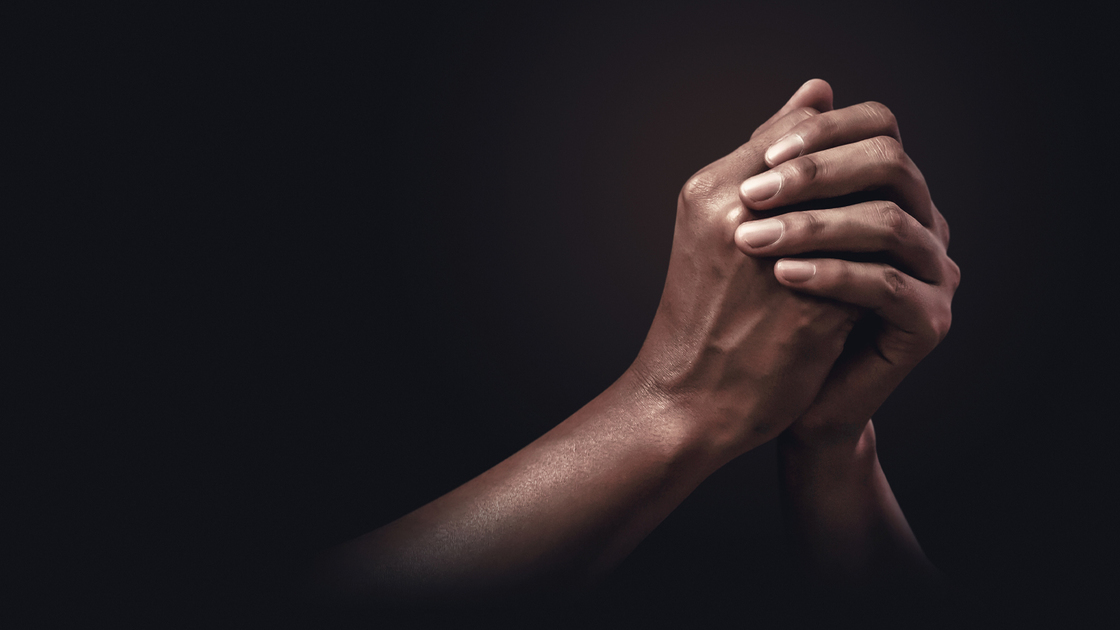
x,y
846,527
556,514
731,359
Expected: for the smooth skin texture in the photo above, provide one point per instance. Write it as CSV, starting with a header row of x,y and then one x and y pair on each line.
x,y
846,525
733,358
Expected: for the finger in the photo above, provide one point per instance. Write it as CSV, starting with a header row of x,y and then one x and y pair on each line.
x,y
814,93
873,226
860,368
940,226
747,159
908,304
875,164
833,129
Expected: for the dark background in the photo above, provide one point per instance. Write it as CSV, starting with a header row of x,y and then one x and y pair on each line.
x,y
281,276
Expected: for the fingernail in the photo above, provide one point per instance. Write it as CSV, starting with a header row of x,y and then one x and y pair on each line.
x,y
787,148
761,187
795,270
761,233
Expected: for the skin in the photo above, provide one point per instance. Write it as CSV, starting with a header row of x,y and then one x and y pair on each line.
x,y
736,354
843,519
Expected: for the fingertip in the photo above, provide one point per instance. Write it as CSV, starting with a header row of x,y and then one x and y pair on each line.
x,y
820,91
786,148
753,235
740,239
794,271
819,84
760,188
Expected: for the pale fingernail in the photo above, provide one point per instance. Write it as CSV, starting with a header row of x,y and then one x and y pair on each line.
x,y
784,149
795,270
761,187
761,233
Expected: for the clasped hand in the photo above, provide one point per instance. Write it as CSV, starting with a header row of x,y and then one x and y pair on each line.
x,y
759,340
773,319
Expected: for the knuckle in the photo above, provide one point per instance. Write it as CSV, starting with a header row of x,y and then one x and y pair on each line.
x,y
843,276
804,169
819,127
888,152
954,273
895,223
940,324
894,284
700,187
941,226
881,115
805,224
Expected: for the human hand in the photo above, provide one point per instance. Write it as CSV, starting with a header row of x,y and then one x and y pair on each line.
x,y
742,353
852,150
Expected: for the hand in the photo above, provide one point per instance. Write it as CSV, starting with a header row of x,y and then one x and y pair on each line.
x,y
745,354
908,297
732,358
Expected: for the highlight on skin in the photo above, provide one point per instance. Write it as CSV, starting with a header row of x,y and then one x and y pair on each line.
x,y
752,340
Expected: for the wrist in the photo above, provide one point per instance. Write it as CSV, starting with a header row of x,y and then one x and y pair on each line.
x,y
843,445
827,426
832,472
701,426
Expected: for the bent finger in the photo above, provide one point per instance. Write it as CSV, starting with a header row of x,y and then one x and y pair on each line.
x,y
877,163
833,129
747,159
873,226
908,304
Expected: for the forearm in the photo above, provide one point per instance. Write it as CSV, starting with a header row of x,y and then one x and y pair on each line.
x,y
560,512
732,358
843,520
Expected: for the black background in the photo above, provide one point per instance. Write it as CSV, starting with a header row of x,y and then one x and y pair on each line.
x,y
283,275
